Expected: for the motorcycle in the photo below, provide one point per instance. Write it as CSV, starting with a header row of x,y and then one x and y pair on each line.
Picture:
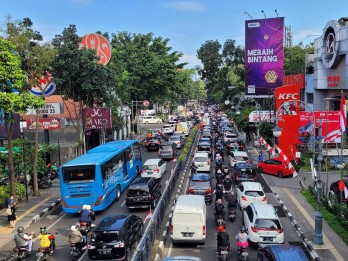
x,y
76,250
219,219
44,252
243,250
231,214
20,253
222,253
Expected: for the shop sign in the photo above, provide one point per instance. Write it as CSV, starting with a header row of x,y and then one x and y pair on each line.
x,y
44,124
333,80
97,118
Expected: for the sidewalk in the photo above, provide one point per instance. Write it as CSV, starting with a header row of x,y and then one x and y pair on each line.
x,y
301,213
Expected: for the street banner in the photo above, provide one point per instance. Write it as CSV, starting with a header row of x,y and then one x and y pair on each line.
x,y
260,116
264,55
44,123
97,118
100,44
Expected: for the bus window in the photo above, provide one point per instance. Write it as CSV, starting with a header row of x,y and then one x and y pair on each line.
x,y
110,167
78,173
136,151
129,155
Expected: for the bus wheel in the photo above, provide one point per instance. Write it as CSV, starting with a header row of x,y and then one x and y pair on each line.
x,y
118,192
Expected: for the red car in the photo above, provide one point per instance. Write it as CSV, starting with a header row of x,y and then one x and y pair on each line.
x,y
275,166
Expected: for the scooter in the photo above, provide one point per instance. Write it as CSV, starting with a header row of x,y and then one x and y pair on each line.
x,y
243,250
21,252
44,252
222,253
219,219
76,250
231,214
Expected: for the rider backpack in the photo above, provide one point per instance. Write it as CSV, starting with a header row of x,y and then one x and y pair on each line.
x,y
219,208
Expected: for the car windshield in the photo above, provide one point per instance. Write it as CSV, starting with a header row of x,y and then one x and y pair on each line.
x,y
247,171
241,158
200,177
267,224
176,138
105,237
137,191
253,193
200,159
166,147
149,167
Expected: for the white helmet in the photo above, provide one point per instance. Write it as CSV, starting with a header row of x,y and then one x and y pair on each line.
x,y
88,207
73,228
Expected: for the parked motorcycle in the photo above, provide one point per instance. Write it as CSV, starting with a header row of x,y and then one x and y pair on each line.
x,y
43,183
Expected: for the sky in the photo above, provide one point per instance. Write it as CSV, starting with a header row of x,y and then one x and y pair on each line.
x,y
187,24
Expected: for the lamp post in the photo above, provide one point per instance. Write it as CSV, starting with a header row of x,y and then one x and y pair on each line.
x,y
318,230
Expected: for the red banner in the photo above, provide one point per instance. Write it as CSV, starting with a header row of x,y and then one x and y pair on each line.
x,y
97,118
44,124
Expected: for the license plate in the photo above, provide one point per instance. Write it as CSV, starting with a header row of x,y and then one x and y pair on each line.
x,y
39,254
104,252
187,234
267,239
224,252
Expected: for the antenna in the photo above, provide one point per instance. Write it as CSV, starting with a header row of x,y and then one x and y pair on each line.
x,y
276,12
249,15
263,13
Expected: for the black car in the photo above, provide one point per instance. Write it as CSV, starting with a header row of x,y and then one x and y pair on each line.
x,y
167,150
234,145
200,184
204,146
143,193
114,237
244,171
153,144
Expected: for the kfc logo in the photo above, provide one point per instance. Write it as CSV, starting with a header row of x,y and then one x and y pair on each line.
x,y
331,45
287,96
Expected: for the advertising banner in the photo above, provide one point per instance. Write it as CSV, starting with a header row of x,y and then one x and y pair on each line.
x,y
330,125
264,55
97,118
259,116
44,124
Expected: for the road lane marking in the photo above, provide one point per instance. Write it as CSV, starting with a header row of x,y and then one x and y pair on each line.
x,y
170,250
312,223
53,224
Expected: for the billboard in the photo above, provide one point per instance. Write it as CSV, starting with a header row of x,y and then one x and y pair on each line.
x,y
97,118
44,123
264,55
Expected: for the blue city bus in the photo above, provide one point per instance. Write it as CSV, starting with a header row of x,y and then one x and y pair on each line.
x,y
98,177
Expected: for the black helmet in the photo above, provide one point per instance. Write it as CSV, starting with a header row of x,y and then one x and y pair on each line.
x,y
242,229
43,230
219,187
20,229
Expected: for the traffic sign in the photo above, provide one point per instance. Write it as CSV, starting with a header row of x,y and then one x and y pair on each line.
x,y
146,103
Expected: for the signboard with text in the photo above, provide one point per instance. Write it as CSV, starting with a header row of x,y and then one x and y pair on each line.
x,y
44,124
264,55
48,108
97,118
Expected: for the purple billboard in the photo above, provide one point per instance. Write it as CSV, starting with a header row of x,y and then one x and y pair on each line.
x,y
264,55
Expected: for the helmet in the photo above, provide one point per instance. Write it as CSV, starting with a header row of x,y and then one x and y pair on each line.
x,y
221,228
20,229
219,187
219,171
242,229
88,207
43,230
227,177
84,207
73,228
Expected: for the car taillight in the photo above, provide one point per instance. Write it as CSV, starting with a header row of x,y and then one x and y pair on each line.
x,y
156,170
90,247
119,245
280,230
264,199
244,198
255,230
190,190
204,230
208,162
143,171
171,229
99,201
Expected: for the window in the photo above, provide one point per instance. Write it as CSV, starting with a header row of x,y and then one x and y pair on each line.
x,y
136,151
109,168
309,98
249,212
79,173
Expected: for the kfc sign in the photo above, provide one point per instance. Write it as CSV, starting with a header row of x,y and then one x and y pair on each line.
x,y
97,118
288,96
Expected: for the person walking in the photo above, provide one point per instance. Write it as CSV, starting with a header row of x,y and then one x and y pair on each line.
x,y
11,215
10,201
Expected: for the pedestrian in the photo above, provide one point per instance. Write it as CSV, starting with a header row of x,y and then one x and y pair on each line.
x,y
10,201
11,215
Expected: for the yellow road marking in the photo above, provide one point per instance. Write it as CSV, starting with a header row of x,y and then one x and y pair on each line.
x,y
9,230
312,223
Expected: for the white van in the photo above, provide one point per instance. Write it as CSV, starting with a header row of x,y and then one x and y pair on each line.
x,y
151,119
189,220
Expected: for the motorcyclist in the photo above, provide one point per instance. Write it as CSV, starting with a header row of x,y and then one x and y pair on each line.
x,y
219,192
75,237
46,240
242,237
219,177
225,170
219,209
228,184
218,159
87,215
23,239
231,201
193,168
222,238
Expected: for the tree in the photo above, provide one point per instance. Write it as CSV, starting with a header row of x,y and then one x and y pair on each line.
x,y
294,62
12,76
35,62
78,75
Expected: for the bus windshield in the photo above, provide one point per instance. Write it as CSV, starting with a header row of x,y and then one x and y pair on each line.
x,y
78,173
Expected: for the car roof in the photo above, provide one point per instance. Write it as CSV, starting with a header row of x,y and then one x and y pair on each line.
x,y
240,153
201,154
112,222
152,161
174,138
287,252
264,210
167,143
245,165
182,258
252,185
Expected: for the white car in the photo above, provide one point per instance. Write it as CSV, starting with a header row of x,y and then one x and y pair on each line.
x,y
238,156
177,140
202,161
262,224
168,129
154,168
151,119
250,192
179,134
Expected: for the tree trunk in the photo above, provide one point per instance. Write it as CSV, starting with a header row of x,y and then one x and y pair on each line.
x,y
10,159
36,155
